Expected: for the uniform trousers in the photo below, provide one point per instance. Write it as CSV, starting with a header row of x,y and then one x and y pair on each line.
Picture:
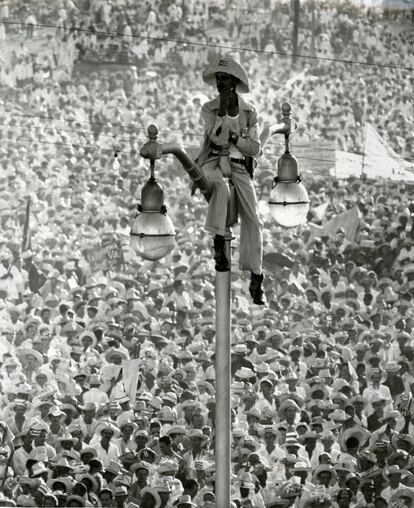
x,y
251,236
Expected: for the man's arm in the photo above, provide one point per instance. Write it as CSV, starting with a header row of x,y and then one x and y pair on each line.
x,y
249,145
216,126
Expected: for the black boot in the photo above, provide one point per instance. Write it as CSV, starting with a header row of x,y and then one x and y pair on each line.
x,y
256,290
220,257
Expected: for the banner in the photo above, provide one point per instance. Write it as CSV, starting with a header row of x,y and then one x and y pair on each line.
x,y
314,158
379,160
108,256
26,243
130,376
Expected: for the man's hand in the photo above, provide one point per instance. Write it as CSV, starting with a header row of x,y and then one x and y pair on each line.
x,y
233,137
227,98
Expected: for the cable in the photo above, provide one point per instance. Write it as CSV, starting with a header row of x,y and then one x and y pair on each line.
x,y
164,131
167,131
102,124
127,139
266,154
22,140
113,137
217,46
74,145
39,127
263,168
318,173
141,140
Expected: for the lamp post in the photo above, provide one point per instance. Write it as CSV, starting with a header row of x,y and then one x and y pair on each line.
x,y
288,200
152,237
152,232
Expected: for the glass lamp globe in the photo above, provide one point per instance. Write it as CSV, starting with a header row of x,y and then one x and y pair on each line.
x,y
152,235
288,199
152,232
289,204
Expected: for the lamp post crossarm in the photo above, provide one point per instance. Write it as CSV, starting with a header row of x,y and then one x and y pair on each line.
x,y
153,150
194,172
286,126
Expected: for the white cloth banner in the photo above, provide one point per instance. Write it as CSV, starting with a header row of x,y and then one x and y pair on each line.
x,y
130,375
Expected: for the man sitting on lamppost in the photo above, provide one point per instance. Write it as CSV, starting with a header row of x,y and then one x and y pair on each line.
x,y
231,141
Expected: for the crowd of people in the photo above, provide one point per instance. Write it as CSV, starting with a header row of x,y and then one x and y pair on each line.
x,y
334,103
107,391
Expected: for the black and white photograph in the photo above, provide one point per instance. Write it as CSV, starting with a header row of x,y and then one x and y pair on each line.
x,y
207,253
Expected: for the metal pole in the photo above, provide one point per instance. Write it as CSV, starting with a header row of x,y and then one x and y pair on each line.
x,y
295,34
153,150
223,384
313,49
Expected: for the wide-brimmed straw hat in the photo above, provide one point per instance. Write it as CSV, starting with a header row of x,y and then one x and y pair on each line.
x,y
66,481
286,404
198,434
227,65
107,425
62,462
185,499
112,352
394,469
73,497
339,415
357,432
390,414
19,403
140,465
401,494
325,468
300,467
376,371
392,367
316,498
24,353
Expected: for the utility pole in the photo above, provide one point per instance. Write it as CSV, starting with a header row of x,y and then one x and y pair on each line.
x,y
296,9
312,45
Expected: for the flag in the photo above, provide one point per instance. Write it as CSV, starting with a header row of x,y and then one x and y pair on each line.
x,y
26,244
320,211
275,260
348,220
130,376
315,230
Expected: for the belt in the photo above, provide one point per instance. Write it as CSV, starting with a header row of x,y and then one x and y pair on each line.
x,y
238,161
232,159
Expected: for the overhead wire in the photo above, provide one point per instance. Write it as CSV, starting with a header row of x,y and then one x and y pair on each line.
x,y
188,133
102,124
61,143
187,42
96,148
84,133
122,151
210,45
